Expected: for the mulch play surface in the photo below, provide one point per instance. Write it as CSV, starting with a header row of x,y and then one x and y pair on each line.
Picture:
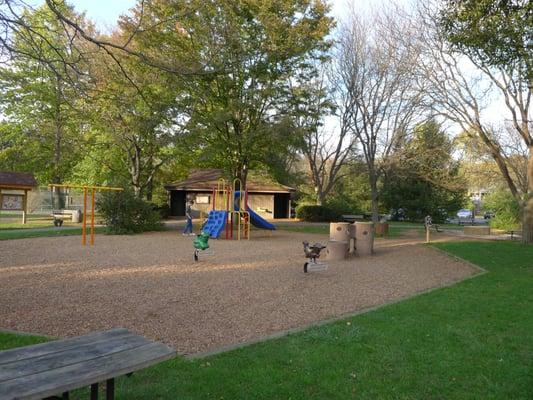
x,y
149,283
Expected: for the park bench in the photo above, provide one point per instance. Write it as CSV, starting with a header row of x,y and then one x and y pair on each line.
x,y
50,369
60,215
352,218
513,233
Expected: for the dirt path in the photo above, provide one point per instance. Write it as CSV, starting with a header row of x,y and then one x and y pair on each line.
x,y
148,283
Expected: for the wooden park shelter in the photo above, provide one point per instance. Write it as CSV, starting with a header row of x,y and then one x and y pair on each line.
x,y
267,198
14,187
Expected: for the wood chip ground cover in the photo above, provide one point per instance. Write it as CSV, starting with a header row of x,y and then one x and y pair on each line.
x,y
150,284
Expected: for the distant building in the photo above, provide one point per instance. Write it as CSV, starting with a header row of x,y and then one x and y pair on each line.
x,y
477,196
14,188
269,199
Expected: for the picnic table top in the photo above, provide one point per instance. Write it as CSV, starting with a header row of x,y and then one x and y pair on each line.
x,y
46,369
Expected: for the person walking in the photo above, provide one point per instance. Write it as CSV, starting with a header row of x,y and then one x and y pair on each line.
x,y
188,213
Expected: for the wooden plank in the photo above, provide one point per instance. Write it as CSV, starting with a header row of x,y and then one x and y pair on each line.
x,y
7,356
88,351
74,376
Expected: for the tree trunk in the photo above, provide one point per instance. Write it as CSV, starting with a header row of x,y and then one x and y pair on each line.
x,y
242,174
59,199
320,198
374,197
149,190
527,222
135,170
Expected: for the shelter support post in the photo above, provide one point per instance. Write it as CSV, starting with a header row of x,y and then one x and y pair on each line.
x,y
24,207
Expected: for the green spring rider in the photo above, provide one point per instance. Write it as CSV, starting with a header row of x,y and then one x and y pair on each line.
x,y
200,243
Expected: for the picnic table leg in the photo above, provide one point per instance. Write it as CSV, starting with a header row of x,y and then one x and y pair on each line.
x,y
94,391
110,389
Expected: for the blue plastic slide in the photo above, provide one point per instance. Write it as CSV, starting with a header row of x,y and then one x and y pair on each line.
x,y
216,220
255,219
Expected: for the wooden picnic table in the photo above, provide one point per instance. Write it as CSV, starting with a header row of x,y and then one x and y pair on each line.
x,y
57,367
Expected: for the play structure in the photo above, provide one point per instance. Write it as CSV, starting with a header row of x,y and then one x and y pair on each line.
x,y
312,252
57,214
231,213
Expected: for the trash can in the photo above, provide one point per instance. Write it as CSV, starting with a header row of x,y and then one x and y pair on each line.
x,y
382,228
364,238
339,231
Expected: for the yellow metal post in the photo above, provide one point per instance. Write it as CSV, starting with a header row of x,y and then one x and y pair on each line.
x,y
84,225
92,216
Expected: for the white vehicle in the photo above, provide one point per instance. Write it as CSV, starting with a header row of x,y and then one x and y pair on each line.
x,y
464,214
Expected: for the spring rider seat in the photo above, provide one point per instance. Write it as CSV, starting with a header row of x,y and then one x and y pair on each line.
x,y
200,243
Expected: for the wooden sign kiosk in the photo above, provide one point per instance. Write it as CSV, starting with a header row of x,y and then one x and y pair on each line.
x,y
14,187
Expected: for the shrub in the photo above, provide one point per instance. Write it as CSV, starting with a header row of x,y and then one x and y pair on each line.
x,y
163,210
314,213
341,205
124,213
505,220
505,208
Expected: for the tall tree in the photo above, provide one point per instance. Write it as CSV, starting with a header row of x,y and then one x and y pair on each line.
x,y
41,99
375,76
461,95
135,112
496,33
255,49
424,179
326,152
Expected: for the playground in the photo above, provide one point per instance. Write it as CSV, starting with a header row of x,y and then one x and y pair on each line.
x,y
246,290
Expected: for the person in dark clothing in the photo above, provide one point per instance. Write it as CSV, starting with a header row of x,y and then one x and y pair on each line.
x,y
188,213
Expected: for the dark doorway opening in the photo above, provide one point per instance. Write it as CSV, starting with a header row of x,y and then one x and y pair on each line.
x,y
281,205
177,203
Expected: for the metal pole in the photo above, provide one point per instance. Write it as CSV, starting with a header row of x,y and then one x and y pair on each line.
x,y
230,207
84,227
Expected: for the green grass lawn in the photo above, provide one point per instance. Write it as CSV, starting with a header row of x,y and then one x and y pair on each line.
x,y
473,340
32,224
396,229
321,229
10,220
25,234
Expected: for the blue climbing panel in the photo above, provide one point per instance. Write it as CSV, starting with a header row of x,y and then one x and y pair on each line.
x,y
216,220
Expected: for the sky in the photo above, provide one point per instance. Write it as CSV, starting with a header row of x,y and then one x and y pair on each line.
x,y
106,12
103,12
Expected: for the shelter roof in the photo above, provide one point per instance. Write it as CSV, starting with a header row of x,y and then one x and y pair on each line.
x,y
17,180
207,179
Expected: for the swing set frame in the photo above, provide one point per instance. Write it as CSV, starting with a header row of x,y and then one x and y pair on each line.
x,y
86,189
